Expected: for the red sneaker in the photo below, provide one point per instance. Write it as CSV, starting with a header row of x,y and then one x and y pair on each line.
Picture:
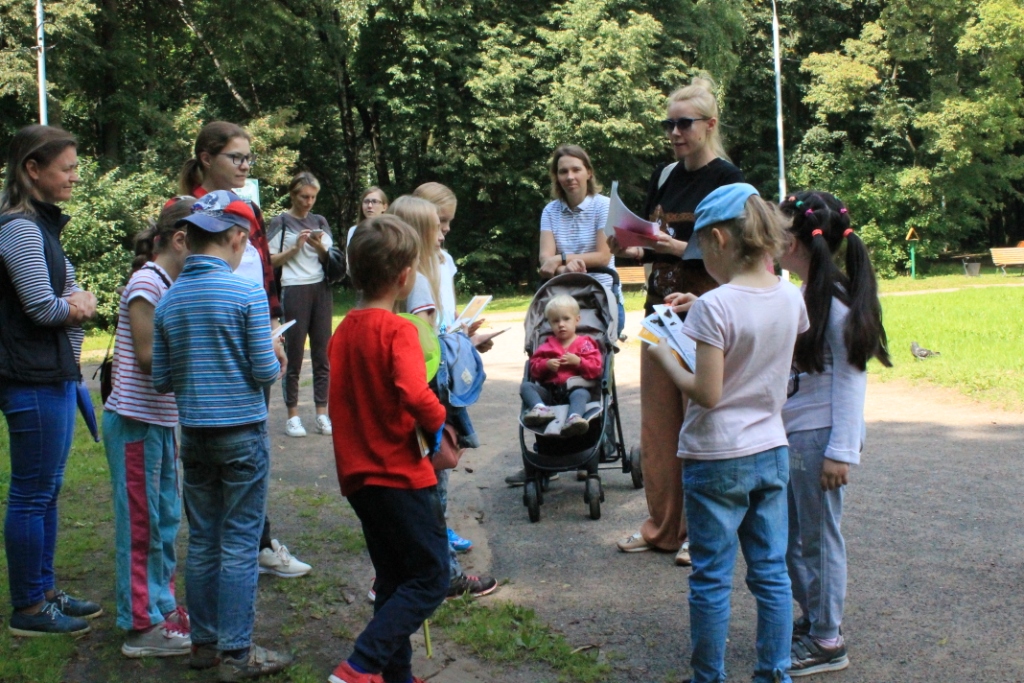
x,y
346,674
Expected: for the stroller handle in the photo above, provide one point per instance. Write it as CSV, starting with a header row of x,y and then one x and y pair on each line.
x,y
599,270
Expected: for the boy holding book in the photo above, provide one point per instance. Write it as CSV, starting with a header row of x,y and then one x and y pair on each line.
x,y
376,363
212,348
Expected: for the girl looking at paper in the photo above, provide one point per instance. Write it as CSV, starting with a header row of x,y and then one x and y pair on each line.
x,y
572,225
674,192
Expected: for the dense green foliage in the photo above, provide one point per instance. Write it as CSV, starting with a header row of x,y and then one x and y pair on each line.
x,y
910,110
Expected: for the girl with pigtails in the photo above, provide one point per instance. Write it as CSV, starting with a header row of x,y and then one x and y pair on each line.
x,y
824,416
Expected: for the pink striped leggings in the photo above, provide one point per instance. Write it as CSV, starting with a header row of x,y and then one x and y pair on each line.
x,y
147,512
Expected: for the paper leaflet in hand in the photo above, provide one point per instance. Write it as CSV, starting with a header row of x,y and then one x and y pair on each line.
x,y
471,312
665,324
628,229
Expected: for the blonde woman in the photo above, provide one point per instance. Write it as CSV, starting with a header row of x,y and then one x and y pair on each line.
x,y
299,243
674,192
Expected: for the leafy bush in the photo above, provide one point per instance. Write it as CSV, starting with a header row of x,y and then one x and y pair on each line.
x,y
107,209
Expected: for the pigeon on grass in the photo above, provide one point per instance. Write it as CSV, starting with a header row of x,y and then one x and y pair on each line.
x,y
920,353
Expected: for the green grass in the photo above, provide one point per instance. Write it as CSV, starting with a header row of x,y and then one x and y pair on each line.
x,y
946,275
980,333
509,634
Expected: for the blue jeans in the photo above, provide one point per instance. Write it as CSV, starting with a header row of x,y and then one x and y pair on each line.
x,y
226,496
143,461
408,545
41,424
740,501
817,551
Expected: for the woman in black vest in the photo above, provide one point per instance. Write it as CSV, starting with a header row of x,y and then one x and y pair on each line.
x,y
41,312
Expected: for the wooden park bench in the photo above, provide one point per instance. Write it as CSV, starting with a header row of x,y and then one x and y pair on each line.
x,y
1008,256
634,276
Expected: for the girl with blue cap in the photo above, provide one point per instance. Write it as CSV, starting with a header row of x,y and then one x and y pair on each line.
x,y
733,442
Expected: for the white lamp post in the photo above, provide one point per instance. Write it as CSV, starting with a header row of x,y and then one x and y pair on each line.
x,y
778,103
44,118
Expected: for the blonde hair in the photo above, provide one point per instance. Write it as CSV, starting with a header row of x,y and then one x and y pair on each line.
x,y
762,230
562,302
422,216
437,194
302,179
701,94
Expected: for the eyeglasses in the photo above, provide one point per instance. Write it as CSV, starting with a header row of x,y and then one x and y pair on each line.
x,y
371,202
682,123
238,159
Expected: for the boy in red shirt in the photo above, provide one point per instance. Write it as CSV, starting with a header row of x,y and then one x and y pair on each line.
x,y
562,356
378,396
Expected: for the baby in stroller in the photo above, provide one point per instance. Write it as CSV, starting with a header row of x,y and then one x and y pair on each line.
x,y
563,356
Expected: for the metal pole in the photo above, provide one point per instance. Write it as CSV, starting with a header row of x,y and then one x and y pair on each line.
x,y
778,102
44,118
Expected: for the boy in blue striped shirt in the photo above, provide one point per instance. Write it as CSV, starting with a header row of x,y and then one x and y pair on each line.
x,y
212,348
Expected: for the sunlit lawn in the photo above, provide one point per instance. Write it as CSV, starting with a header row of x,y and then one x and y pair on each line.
x,y
979,332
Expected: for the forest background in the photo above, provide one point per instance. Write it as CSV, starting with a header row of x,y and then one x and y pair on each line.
x,y
909,110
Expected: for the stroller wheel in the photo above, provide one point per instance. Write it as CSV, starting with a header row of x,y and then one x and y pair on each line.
x,y
634,468
531,499
593,496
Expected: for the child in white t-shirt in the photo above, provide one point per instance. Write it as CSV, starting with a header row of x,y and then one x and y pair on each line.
x,y
733,440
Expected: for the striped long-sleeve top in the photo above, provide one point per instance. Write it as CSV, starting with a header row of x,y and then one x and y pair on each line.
x,y
212,346
21,251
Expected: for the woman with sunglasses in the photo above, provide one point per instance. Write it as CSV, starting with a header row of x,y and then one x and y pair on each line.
x,y
673,194
222,160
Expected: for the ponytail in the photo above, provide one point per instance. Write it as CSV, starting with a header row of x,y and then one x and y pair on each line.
x,y
864,334
821,223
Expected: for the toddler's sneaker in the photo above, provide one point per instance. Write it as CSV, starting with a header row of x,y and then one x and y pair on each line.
x,y
293,427
576,425
166,639
810,657
259,662
278,561
538,416
344,673
323,425
458,543
49,621
75,607
475,586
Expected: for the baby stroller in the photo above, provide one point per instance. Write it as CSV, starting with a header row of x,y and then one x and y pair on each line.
x,y
602,446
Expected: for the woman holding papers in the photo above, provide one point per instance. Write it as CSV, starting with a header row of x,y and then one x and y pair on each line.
x,y
673,194
572,225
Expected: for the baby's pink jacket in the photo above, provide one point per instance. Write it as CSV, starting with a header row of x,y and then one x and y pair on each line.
x,y
583,346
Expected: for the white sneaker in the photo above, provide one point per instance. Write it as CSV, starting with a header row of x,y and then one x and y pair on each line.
x,y
163,640
278,561
323,425
293,427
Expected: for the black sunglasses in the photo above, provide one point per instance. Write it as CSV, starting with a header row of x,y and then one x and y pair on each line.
x,y
682,123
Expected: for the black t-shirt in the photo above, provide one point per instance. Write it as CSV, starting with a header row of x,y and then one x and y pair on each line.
x,y
673,205
676,200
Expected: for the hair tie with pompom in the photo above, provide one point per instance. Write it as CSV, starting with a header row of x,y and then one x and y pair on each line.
x,y
793,198
843,210
816,233
809,212
847,232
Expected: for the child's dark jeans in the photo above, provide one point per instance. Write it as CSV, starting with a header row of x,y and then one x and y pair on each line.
x,y
408,545
555,394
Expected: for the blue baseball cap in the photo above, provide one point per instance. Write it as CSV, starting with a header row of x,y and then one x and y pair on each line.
x,y
722,204
219,211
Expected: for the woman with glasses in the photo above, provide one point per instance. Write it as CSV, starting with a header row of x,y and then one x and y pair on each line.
x,y
299,244
222,160
677,268
373,203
